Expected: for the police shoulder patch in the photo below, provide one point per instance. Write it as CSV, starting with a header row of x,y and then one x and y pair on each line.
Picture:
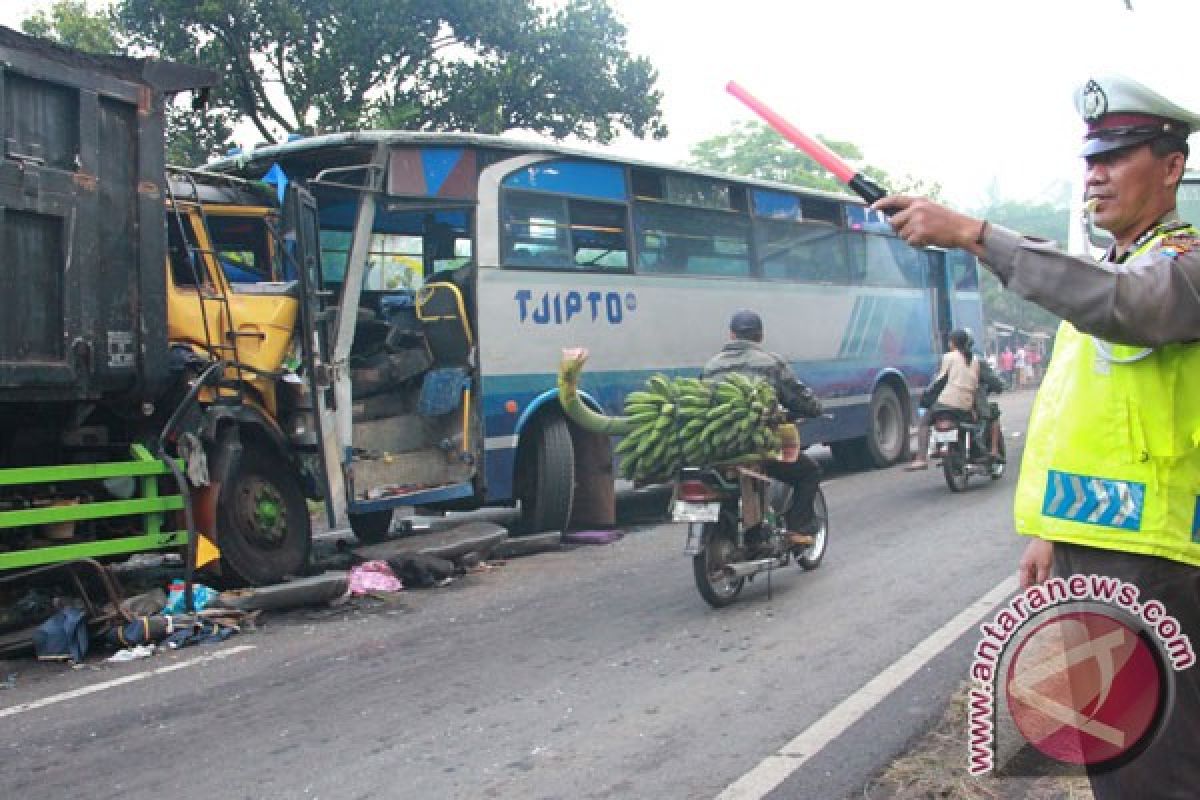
x,y
1179,244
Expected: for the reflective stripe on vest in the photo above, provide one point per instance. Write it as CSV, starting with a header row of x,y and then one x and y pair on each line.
x,y
1112,456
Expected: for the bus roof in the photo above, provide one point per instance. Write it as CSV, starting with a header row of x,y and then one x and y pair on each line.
x,y
260,159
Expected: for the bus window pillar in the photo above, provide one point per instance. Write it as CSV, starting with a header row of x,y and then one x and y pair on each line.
x,y
356,265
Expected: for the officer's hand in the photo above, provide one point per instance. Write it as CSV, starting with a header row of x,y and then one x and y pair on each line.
x,y
922,222
1036,563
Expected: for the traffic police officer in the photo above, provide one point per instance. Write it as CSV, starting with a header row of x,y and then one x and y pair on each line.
x,y
1118,415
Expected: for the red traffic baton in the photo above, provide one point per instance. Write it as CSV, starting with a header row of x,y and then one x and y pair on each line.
x,y
863,186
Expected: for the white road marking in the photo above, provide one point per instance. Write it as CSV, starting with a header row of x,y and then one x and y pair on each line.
x,y
774,769
99,687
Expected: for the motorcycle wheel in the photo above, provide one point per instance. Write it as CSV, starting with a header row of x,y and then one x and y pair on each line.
x,y
810,557
954,467
708,566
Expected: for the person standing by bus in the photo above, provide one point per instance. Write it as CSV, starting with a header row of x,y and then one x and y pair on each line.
x,y
1006,364
1130,342
1019,365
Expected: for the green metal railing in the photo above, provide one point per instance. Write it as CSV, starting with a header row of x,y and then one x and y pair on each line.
x,y
149,505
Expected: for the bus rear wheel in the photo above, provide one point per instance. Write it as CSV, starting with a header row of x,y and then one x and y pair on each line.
x,y
887,428
371,527
546,476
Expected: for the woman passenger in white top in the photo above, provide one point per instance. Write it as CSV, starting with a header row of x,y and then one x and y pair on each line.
x,y
961,372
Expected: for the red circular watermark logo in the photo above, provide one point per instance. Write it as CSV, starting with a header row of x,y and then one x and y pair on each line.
x,y
1086,688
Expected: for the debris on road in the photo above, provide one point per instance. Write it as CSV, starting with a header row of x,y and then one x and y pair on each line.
x,y
132,654
528,545
451,544
311,591
592,537
202,597
63,637
423,571
373,576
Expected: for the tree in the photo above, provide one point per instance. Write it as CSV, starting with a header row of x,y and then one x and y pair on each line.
x,y
317,66
755,150
69,23
1043,220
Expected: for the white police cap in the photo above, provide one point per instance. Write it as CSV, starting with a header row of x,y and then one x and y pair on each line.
x,y
1120,112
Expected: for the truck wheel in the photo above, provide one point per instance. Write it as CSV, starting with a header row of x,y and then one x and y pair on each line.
x,y
371,527
887,428
262,520
546,476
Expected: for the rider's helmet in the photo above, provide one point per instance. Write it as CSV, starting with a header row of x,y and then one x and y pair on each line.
x,y
746,324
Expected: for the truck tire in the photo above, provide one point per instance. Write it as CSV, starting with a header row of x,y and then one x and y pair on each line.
x,y
546,476
262,520
887,428
371,527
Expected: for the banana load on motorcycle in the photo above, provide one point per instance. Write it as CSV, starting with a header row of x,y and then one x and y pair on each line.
x,y
681,421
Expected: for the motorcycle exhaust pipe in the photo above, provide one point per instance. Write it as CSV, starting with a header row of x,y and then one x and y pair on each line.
x,y
744,569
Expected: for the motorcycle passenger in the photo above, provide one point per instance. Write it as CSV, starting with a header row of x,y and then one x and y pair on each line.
x,y
959,378
745,354
987,411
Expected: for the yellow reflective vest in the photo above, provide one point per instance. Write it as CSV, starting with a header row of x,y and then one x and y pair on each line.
x,y
1112,456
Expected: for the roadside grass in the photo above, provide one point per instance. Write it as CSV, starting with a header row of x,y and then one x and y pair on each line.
x,y
935,768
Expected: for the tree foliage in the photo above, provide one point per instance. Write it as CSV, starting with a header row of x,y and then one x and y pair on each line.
x,y
317,66
755,150
69,23
1044,220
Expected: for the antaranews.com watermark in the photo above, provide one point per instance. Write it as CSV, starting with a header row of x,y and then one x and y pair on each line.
x,y
1086,683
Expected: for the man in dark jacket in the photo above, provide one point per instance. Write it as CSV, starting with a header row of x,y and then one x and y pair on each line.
x,y
745,354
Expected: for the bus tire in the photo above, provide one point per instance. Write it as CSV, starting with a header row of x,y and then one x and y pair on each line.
x,y
264,531
371,527
887,427
546,476
850,454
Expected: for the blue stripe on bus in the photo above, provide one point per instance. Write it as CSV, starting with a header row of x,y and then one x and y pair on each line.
x,y
829,380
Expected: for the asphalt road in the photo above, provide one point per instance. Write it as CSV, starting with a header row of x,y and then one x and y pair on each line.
x,y
596,672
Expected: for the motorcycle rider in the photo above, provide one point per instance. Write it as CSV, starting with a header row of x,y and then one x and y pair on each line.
x,y
959,378
745,354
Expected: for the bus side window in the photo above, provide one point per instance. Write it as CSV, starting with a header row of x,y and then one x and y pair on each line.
x,y
808,252
599,237
885,260
693,241
535,230
963,274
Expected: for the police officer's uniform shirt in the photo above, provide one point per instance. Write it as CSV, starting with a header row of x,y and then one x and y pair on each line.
x,y
1151,299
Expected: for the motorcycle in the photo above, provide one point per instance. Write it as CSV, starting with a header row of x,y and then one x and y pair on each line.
x,y
737,528
960,442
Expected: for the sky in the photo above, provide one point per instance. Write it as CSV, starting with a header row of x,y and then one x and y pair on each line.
x,y
973,94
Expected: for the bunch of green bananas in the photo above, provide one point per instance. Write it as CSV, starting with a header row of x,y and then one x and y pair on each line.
x,y
689,422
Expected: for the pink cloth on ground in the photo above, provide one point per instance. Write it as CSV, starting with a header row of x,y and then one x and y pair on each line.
x,y
373,576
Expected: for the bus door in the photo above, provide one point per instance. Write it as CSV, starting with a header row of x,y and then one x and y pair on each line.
x,y
942,311
401,275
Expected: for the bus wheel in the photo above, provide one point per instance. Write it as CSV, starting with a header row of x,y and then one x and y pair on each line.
x,y
262,520
546,476
850,454
371,527
887,428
